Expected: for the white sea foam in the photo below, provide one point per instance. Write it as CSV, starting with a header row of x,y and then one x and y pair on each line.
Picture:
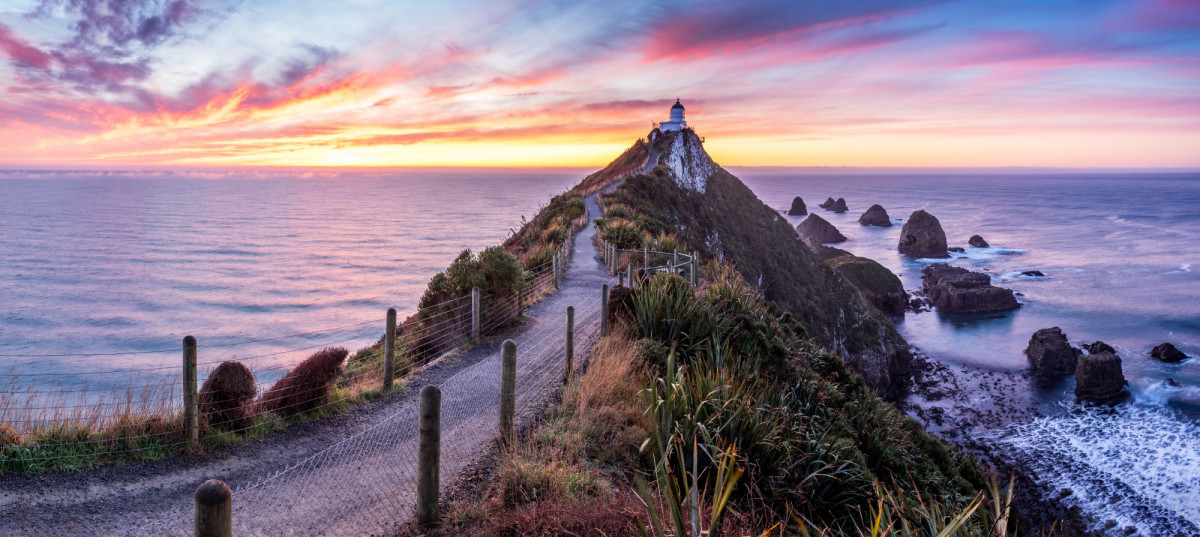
x,y
1137,465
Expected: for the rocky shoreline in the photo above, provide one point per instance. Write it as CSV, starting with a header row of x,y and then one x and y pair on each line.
x,y
963,405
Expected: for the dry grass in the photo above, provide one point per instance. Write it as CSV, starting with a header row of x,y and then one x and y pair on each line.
x,y
569,478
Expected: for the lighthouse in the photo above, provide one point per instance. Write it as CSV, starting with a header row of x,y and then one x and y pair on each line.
x,y
676,123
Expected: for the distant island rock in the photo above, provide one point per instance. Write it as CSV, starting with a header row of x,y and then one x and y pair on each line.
x,y
875,216
1050,354
1168,353
798,208
827,204
816,230
958,290
1098,377
922,236
839,206
977,241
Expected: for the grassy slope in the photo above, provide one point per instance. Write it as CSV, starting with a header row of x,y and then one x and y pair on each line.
x,y
728,221
576,472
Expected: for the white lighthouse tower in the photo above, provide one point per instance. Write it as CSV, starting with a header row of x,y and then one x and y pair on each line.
x,y
676,123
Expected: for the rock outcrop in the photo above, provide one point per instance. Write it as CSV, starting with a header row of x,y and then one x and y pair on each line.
x,y
816,230
1098,377
922,236
1050,354
958,290
839,206
977,241
1097,347
880,287
875,216
798,208
827,204
1168,353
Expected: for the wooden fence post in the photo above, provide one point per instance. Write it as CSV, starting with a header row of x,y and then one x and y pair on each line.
x,y
508,388
475,315
213,510
674,260
570,343
429,452
191,410
694,256
629,271
604,310
389,348
646,258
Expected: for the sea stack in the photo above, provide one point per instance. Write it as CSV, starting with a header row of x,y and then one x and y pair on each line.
x,y
816,230
839,206
1050,354
827,204
922,236
977,241
798,208
1168,353
1098,377
958,290
875,216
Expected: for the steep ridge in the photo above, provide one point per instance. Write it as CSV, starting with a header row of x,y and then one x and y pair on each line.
x,y
712,209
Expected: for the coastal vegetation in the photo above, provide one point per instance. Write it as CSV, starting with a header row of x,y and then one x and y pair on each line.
x,y
736,407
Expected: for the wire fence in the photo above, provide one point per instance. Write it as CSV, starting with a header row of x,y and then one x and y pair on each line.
x,y
629,265
140,410
365,484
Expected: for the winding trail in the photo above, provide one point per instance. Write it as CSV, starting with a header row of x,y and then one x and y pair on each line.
x,y
348,474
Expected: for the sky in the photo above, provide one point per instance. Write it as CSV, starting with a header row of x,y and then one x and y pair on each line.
x,y
189,83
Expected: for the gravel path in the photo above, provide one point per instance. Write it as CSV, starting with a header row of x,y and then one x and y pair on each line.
x,y
349,474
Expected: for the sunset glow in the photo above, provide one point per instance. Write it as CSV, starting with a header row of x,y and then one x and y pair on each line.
x,y
100,83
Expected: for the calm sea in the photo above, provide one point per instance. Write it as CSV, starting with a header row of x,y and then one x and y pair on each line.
x,y
1121,255
110,271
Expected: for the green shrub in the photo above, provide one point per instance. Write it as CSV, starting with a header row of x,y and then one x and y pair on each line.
x,y
666,308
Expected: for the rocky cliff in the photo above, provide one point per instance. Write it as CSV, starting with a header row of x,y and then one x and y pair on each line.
x,y
711,209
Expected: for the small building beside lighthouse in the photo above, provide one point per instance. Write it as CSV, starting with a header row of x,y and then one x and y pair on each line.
x,y
676,123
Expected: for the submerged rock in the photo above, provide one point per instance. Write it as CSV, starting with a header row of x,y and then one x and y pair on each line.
x,y
816,230
956,249
1097,347
1033,273
1168,353
958,290
1050,354
880,287
1098,377
977,241
827,204
875,216
798,208
922,236
1170,383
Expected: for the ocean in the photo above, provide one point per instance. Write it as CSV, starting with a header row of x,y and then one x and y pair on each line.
x,y
108,271
1121,258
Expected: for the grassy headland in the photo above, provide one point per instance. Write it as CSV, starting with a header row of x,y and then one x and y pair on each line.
x,y
754,404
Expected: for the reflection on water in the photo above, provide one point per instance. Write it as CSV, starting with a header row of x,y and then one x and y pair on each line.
x,y
120,263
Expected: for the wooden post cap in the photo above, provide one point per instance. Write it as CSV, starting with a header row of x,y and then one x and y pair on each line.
x,y
213,492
